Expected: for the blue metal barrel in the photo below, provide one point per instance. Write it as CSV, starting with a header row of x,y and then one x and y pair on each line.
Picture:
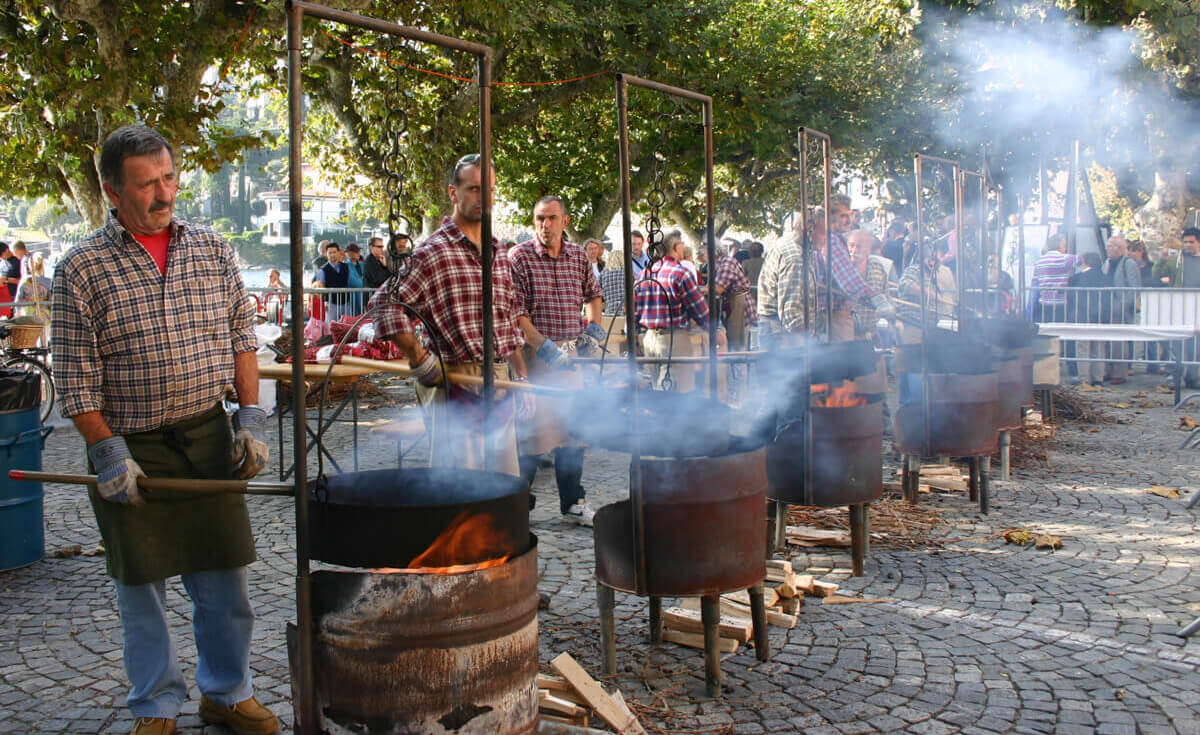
x,y
22,536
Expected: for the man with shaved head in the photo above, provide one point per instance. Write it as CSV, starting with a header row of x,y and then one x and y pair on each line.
x,y
1122,272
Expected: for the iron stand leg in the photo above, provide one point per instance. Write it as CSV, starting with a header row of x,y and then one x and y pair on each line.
x,y
914,479
985,482
1179,372
279,417
710,616
1188,630
1005,448
973,482
656,620
858,538
780,525
354,426
607,601
758,614
904,476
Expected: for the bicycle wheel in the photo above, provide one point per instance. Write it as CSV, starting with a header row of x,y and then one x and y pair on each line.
x,y
34,366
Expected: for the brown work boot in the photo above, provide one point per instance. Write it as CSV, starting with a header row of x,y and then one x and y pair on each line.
x,y
153,726
247,717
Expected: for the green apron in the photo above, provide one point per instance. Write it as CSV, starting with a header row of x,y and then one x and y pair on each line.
x,y
177,532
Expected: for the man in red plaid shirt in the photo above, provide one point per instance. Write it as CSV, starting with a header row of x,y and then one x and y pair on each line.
x,y
553,281
445,285
668,301
739,307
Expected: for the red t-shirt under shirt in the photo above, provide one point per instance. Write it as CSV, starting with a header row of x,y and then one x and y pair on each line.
x,y
156,245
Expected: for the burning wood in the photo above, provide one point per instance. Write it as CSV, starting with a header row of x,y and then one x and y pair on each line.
x,y
841,397
470,537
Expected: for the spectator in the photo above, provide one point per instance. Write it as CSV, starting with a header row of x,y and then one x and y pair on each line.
x,y
1084,306
354,265
595,255
667,303
612,283
1187,275
1137,251
1050,273
10,276
875,273
893,243
21,253
753,265
35,287
334,274
321,258
689,261
738,307
1122,273
641,258
375,271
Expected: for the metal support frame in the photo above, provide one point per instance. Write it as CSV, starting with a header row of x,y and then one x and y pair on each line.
x,y
623,82
307,716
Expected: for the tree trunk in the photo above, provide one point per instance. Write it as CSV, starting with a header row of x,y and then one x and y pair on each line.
x,y
87,195
1163,216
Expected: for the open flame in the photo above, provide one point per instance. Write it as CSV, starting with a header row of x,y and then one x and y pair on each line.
x,y
469,536
841,397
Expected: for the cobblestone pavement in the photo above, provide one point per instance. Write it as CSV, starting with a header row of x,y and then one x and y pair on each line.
x,y
982,637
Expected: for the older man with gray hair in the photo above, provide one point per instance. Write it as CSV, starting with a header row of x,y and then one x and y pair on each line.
x,y
1123,273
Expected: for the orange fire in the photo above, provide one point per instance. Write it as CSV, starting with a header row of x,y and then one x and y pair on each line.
x,y
469,536
841,397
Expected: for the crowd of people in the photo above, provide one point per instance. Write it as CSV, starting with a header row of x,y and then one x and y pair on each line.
x,y
1092,289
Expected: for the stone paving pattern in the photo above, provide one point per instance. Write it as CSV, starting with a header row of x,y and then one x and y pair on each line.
x,y
983,637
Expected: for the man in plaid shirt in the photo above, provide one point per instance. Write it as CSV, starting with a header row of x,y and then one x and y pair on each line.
x,y
445,285
739,308
152,327
849,285
553,281
668,300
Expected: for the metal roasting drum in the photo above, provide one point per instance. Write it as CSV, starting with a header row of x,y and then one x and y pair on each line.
x,y
847,456
963,401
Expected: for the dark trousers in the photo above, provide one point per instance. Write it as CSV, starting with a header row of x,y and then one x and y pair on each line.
x,y
568,473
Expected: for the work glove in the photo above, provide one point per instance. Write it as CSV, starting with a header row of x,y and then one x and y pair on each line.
x,y
554,357
117,472
591,340
883,307
249,444
429,372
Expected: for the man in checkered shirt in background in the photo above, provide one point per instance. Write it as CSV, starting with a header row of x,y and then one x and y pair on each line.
x,y
668,301
152,327
444,284
554,281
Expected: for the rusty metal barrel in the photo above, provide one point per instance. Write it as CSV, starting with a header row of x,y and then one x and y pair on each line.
x,y
1010,384
427,653
847,448
704,519
964,396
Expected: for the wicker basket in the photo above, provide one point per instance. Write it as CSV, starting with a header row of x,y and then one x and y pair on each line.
x,y
24,336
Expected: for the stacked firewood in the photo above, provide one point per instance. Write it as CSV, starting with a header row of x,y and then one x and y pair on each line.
x,y
573,697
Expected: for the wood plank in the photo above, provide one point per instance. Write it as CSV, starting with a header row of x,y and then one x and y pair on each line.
x,y
783,565
696,640
551,703
742,597
780,619
803,583
621,719
737,609
689,621
945,483
554,683
824,589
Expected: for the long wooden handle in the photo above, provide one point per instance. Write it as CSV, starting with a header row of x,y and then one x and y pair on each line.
x,y
384,366
151,484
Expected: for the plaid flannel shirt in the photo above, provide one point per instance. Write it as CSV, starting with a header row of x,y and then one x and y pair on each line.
x,y
144,349
781,287
852,286
673,290
445,285
612,284
865,321
732,277
552,291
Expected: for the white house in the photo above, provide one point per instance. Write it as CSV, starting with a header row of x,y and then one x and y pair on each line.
x,y
323,212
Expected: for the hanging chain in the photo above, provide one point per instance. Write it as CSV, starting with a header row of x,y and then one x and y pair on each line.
x,y
656,196
396,169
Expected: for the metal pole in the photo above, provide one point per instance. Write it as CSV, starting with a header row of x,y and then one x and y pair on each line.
x,y
1042,196
1071,213
635,468
1021,252
827,153
712,248
918,166
306,707
485,245
804,224
958,236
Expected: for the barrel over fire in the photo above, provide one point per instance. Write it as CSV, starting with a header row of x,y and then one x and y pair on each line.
x,y
963,400
403,652
847,450
1010,395
704,521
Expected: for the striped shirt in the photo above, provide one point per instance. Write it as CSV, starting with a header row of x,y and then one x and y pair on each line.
x,y
552,291
445,285
144,349
1050,273
669,296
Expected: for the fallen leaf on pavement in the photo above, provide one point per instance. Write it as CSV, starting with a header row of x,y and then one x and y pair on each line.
x,y
1139,394
1164,492
1089,388
67,552
1187,422
1017,536
1122,405
1165,389
1047,541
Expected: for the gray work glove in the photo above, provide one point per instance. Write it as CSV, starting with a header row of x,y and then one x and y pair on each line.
x,y
429,372
883,308
591,340
117,472
250,450
554,357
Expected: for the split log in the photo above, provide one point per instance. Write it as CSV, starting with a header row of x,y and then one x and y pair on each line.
x,y
696,640
610,710
824,589
689,621
811,536
742,597
550,703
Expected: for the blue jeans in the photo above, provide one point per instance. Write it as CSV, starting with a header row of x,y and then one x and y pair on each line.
x,y
222,621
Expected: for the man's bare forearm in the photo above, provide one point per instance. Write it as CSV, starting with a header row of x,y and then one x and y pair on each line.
x,y
92,427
